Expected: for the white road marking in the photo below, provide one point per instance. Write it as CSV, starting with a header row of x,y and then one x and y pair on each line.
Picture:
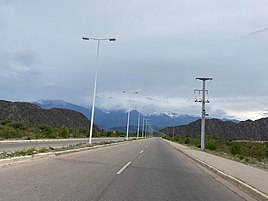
x,y
123,168
141,151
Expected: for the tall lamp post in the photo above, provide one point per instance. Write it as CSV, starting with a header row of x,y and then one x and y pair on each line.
x,y
128,114
95,81
146,128
138,129
143,119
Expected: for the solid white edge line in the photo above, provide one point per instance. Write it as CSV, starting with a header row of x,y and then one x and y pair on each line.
x,y
123,168
141,151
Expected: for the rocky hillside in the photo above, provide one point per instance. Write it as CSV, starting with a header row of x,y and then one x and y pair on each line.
x,y
244,130
33,114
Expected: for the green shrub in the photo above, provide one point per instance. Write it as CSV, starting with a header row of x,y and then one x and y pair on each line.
x,y
241,157
254,149
235,149
187,141
9,133
25,152
17,125
211,146
5,122
43,150
64,132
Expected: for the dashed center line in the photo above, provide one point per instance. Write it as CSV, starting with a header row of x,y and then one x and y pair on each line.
x,y
141,151
123,168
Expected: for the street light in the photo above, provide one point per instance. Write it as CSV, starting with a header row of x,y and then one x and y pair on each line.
x,y
138,129
142,126
95,82
146,128
128,114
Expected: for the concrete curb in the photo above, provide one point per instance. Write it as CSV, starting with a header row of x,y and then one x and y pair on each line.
x,y
240,184
87,148
20,159
15,160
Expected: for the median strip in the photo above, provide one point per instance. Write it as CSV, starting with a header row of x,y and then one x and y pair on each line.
x,y
123,168
10,158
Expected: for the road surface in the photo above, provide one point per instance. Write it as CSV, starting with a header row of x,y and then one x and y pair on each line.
x,y
143,170
12,146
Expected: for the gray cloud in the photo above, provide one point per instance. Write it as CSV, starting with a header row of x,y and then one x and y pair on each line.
x,y
161,47
18,65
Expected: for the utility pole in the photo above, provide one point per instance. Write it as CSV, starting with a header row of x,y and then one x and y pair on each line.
x,y
203,114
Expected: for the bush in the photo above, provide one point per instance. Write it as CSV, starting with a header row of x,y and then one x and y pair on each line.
x,y
241,157
235,149
25,152
17,125
211,146
254,149
5,122
187,141
64,132
9,133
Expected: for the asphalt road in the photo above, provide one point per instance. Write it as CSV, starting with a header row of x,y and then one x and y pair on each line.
x,y
12,146
144,170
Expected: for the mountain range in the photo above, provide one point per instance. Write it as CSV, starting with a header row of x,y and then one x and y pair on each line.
x,y
29,113
60,113
228,130
116,120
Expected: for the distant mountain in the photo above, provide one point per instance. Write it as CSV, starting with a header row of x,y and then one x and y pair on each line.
x,y
33,114
102,119
170,119
244,130
116,120
49,104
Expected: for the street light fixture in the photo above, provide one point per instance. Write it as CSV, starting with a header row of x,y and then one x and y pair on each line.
x,y
95,82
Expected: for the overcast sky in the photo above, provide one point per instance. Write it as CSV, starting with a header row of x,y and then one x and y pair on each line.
x,y
161,47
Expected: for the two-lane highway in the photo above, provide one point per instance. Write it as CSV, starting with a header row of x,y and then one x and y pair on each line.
x,y
140,170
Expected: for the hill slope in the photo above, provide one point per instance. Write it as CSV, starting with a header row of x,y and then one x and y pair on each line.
x,y
33,114
244,130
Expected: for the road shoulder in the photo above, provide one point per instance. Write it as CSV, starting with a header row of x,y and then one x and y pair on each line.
x,y
253,184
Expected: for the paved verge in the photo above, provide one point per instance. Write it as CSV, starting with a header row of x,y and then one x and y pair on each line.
x,y
250,179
